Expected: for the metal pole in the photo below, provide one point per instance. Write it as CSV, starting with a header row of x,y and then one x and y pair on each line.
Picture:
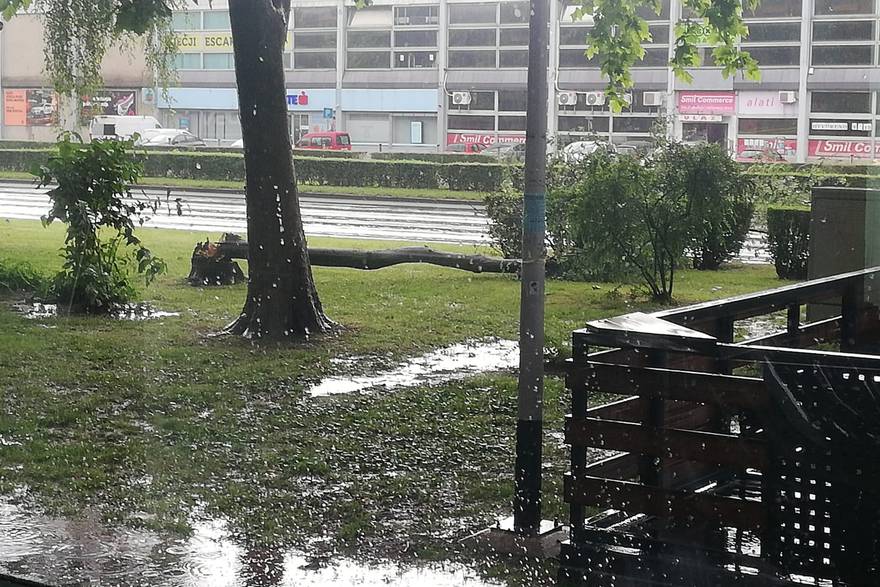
x,y
527,490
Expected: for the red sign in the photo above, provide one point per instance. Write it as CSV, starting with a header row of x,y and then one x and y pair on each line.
x,y
837,149
706,102
15,106
760,149
454,138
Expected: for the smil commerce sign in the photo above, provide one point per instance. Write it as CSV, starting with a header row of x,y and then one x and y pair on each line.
x,y
843,149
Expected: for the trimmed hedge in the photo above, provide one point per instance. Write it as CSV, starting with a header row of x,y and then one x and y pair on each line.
x,y
435,157
309,170
788,230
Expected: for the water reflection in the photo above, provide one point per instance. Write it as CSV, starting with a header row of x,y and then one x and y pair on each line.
x,y
450,363
130,312
85,552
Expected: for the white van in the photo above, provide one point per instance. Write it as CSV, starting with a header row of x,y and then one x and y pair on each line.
x,y
120,127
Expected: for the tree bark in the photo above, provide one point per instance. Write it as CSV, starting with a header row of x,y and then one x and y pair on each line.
x,y
282,301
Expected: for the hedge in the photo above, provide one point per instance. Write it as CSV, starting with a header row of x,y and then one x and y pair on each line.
x,y
309,170
435,157
788,239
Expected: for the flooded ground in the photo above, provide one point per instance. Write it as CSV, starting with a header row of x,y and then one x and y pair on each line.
x,y
446,364
84,552
130,312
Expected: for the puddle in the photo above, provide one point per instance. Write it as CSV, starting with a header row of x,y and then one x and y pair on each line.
x,y
131,312
759,326
454,362
83,552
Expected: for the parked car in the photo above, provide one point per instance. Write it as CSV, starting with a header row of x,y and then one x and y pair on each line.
x,y
760,156
331,140
507,151
122,127
467,148
169,137
580,150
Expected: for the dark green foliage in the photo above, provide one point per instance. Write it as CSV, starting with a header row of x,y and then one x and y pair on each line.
x,y
788,230
93,197
506,211
719,196
20,276
342,171
435,157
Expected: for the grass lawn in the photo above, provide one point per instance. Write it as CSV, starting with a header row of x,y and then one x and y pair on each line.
x,y
94,407
314,189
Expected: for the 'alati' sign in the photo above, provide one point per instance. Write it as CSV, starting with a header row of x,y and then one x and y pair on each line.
x,y
204,42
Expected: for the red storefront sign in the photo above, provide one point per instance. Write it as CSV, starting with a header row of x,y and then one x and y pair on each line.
x,y
475,138
785,147
837,149
706,102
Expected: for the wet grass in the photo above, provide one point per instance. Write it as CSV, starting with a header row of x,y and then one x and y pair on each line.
x,y
148,422
209,184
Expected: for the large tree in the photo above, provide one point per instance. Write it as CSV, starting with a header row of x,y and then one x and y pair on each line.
x,y
282,301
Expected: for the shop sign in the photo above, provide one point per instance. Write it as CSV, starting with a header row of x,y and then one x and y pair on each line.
x,y
110,103
843,149
784,147
706,102
840,125
454,138
30,108
763,103
700,117
216,42
297,98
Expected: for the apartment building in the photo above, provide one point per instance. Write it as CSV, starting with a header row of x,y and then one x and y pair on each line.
x,y
415,75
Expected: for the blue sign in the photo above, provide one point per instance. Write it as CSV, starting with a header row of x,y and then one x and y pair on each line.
x,y
328,112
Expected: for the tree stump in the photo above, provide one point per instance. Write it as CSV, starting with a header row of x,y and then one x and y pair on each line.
x,y
211,267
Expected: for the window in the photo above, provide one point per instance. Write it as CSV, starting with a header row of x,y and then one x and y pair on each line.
x,y
512,101
843,55
848,30
574,35
840,128
515,12
216,20
306,60
415,59
464,122
218,61
768,126
843,102
188,61
472,38
416,15
472,59
367,39
415,38
575,58
776,9
314,18
838,7
369,60
514,37
479,101
513,59
369,17
314,40
186,21
775,32
511,123
633,124
472,13
584,124
779,56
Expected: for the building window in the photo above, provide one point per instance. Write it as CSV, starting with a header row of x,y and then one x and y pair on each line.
x,y
369,60
774,32
218,61
776,9
462,122
188,61
841,102
472,13
416,15
216,20
186,21
843,55
415,59
768,126
472,59
315,18
369,39
306,60
839,7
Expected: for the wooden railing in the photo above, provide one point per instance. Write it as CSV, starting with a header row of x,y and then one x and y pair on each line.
x,y
695,448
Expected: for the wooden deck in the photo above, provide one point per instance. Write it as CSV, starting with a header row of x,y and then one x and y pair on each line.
x,y
749,462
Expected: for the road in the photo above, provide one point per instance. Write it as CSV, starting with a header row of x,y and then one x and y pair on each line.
x,y
323,215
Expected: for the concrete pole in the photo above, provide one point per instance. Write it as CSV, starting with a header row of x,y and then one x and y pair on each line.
x,y
803,78
529,429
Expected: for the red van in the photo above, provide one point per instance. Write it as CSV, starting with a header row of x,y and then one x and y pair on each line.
x,y
332,140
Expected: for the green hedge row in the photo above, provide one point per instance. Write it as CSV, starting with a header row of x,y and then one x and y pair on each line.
x,y
435,157
788,229
310,170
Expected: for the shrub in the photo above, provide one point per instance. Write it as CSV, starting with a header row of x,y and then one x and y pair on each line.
x,y
719,198
435,157
18,276
788,230
624,216
93,197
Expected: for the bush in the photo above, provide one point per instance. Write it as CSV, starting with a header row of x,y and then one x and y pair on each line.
x,y
788,230
719,198
17,276
435,157
93,197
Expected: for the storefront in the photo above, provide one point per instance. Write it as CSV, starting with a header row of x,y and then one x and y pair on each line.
x,y
705,117
768,126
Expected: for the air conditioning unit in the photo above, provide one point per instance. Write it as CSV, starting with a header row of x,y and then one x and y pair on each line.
x,y
566,98
594,98
788,97
654,99
461,98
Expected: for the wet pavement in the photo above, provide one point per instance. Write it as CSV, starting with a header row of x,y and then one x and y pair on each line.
x,y
445,364
84,552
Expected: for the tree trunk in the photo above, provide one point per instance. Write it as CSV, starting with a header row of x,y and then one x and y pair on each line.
x,y
282,301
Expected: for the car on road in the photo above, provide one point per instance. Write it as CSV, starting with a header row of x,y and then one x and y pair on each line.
x,y
760,156
580,150
507,151
122,127
331,141
466,148
169,137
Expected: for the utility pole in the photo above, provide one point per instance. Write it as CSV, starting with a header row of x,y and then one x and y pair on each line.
x,y
529,426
